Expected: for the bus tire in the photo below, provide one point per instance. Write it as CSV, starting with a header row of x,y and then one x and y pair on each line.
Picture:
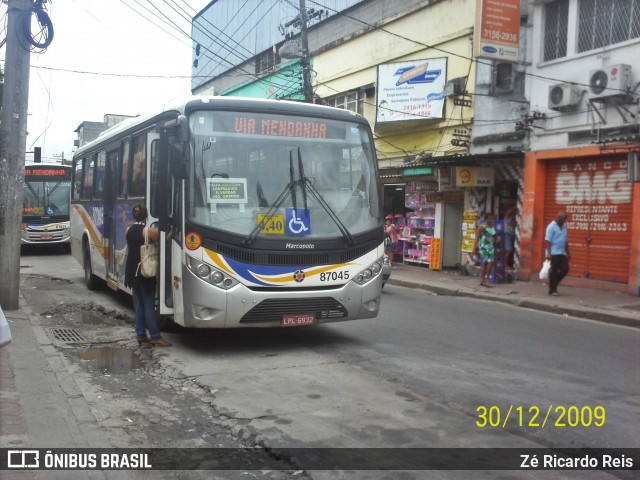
x,y
89,278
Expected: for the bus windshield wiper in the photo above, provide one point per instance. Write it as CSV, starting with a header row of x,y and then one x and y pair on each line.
x,y
305,183
289,189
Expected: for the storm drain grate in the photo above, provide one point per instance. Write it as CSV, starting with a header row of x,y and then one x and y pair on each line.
x,y
67,335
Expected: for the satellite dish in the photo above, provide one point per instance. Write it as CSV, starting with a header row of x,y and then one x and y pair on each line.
x,y
598,82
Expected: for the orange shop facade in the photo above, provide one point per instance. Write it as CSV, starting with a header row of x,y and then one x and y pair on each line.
x,y
591,184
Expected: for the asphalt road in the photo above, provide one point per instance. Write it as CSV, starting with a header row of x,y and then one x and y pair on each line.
x,y
413,377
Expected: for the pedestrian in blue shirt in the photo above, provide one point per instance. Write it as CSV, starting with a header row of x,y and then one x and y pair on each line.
x,y
557,251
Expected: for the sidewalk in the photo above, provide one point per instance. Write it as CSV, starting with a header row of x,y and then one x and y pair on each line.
x,y
40,403
582,302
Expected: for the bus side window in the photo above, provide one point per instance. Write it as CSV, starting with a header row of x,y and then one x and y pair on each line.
x,y
77,180
138,187
87,183
124,170
101,176
154,166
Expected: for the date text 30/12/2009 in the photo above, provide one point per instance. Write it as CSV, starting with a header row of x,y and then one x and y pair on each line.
x,y
537,417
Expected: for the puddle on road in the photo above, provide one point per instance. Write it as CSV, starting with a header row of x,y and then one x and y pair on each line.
x,y
94,318
111,359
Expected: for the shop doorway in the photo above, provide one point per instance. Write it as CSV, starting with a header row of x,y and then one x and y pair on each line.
x,y
452,234
394,199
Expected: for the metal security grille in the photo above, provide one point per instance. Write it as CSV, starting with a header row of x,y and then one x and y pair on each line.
x,y
272,310
556,21
605,22
67,335
598,201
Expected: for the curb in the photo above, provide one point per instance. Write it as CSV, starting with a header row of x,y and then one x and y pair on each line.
x,y
614,318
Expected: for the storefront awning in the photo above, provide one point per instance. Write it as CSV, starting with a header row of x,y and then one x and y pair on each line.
x,y
427,166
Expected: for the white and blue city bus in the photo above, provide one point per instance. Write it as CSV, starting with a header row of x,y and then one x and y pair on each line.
x,y
269,211
45,207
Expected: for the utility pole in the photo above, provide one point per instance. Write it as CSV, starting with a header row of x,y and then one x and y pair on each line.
x,y
13,141
305,60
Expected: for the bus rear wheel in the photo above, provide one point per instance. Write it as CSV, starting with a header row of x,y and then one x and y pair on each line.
x,y
89,278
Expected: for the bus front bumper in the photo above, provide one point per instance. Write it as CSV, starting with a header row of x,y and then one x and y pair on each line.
x,y
207,306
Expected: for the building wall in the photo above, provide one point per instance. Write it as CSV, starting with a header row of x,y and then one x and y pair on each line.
x,y
322,36
575,69
89,131
446,25
283,83
576,133
496,110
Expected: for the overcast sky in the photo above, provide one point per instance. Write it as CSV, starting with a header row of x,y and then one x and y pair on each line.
x,y
104,36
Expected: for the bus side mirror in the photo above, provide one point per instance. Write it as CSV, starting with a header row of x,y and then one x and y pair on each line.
x,y
183,128
177,158
178,148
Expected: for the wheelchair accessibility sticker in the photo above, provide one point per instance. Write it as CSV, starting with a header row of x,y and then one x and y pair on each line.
x,y
297,221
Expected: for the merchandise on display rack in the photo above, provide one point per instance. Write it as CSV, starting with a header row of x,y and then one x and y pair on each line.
x,y
414,241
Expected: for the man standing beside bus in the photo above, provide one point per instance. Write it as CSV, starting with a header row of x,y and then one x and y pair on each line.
x,y
557,251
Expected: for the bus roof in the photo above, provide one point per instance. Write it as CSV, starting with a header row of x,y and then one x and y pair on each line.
x,y
45,165
131,126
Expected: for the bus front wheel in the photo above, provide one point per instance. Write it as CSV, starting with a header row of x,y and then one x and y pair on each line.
x,y
90,279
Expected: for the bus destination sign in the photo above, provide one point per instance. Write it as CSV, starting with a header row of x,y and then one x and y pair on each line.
x,y
45,172
227,190
278,126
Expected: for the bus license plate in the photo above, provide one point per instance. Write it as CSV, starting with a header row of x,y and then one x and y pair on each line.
x,y
298,319
46,237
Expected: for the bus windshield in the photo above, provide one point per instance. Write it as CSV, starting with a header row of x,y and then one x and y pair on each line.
x,y
315,176
46,198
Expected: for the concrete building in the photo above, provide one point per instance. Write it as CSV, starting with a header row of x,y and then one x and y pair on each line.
x,y
88,131
583,86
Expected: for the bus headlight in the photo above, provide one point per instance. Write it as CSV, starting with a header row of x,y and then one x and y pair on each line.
x,y
216,278
210,275
369,273
203,270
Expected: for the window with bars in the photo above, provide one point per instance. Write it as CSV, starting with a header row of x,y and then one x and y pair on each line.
x,y
352,101
503,77
266,61
605,22
556,22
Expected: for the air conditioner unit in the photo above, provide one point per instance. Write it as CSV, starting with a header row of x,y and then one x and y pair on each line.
x,y
607,82
563,96
454,87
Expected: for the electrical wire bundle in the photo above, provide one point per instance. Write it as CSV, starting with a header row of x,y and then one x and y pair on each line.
x,y
37,40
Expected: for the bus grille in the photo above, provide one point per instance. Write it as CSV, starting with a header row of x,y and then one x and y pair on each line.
x,y
273,310
294,258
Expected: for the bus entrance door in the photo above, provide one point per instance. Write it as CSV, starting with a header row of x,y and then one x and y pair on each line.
x,y
111,232
166,202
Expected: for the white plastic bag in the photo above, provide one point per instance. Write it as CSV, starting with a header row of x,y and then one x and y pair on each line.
x,y
544,272
5,331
